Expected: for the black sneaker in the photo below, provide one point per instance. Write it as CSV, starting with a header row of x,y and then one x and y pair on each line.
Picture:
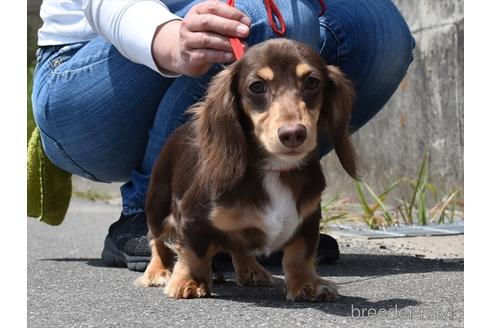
x,y
126,244
328,252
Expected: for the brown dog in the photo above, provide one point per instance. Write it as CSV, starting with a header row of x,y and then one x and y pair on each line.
x,y
243,176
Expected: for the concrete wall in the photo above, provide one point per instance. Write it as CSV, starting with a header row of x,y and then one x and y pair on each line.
x,y
426,111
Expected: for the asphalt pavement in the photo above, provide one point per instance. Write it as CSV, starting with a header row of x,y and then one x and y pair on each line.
x,y
68,286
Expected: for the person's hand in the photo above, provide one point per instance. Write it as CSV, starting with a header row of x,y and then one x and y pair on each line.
x,y
193,45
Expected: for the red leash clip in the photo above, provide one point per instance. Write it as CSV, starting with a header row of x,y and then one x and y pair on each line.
x,y
273,13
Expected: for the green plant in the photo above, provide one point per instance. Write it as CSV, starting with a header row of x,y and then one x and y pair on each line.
x,y
418,200
442,210
376,214
333,209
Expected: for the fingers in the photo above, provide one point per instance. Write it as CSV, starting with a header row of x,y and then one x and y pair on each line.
x,y
216,24
217,17
198,60
202,40
204,36
221,9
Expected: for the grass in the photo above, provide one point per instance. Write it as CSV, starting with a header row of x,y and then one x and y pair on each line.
x,y
411,206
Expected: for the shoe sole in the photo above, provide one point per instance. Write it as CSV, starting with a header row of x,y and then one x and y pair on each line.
x,y
112,256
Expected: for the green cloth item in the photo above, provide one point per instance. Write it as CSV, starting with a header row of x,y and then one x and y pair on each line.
x,y
49,188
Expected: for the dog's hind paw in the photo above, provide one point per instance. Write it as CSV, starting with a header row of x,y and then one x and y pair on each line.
x,y
254,277
317,290
186,288
153,279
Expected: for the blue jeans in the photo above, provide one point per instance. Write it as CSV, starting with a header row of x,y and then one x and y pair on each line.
x,y
106,118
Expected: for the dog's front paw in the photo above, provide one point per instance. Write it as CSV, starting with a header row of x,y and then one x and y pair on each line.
x,y
316,290
186,288
254,277
153,278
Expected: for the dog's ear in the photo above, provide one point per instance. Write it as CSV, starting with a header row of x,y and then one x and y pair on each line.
x,y
219,134
335,115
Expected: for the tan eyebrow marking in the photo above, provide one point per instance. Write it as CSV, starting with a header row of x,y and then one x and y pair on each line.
x,y
266,73
303,69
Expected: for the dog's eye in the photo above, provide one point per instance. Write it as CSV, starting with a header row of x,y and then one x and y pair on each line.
x,y
257,87
311,83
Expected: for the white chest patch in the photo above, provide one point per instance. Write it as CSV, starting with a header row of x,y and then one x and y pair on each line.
x,y
280,216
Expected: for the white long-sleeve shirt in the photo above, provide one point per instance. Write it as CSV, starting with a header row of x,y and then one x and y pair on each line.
x,y
129,25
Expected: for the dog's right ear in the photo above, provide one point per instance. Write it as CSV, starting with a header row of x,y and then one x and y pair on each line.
x,y
220,136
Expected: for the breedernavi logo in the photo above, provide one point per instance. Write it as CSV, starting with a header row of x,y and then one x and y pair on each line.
x,y
428,313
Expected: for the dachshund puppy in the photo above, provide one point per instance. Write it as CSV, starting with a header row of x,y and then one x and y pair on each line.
x,y
243,175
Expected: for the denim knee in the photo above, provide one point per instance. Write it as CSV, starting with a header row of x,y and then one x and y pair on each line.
x,y
94,119
394,52
366,36
372,44
301,21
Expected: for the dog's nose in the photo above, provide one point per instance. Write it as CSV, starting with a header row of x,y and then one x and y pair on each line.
x,y
292,135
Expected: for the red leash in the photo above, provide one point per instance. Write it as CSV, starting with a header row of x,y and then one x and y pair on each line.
x,y
273,12
274,15
237,47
